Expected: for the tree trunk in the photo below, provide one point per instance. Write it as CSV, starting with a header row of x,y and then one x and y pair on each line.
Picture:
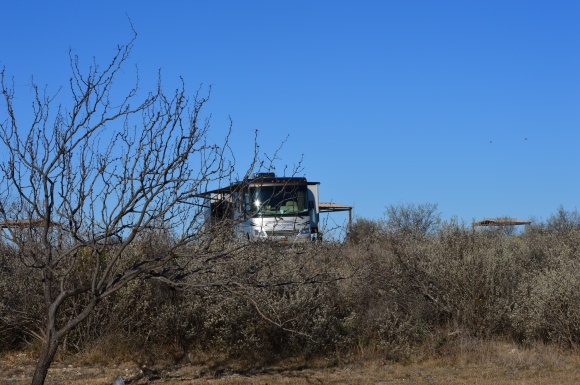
x,y
44,361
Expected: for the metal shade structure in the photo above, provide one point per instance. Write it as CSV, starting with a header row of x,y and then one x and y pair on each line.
x,y
501,222
22,223
328,207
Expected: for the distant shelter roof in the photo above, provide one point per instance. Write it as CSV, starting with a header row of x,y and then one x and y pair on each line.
x,y
501,222
331,207
32,222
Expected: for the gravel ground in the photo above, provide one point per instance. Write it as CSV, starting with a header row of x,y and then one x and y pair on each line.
x,y
511,367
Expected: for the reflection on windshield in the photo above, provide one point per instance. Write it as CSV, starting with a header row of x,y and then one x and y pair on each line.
x,y
279,200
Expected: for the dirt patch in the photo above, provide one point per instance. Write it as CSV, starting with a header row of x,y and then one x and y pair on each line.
x,y
506,366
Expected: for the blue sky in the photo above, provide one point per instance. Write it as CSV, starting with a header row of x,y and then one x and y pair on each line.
x,y
471,105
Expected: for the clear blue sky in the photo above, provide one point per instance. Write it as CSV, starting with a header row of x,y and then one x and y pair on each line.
x,y
471,105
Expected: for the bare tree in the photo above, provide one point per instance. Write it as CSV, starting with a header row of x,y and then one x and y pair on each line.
x,y
563,220
80,184
412,219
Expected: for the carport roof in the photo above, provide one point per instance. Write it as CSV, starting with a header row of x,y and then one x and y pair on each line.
x,y
501,222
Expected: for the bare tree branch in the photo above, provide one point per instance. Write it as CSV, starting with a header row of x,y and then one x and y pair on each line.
x,y
86,182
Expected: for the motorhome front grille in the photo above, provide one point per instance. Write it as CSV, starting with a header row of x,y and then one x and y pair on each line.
x,y
281,233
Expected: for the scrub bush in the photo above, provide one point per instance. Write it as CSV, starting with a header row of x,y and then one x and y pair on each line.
x,y
387,293
546,302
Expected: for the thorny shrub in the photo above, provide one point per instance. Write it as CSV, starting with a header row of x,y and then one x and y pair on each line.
x,y
382,291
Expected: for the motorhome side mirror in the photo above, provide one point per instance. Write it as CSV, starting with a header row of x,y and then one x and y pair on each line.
x,y
310,205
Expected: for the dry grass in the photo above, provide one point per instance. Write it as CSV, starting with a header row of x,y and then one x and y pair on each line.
x,y
469,362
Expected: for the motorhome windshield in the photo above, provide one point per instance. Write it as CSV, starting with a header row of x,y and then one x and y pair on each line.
x,y
279,200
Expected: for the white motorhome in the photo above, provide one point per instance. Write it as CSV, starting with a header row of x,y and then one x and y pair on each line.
x,y
267,207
